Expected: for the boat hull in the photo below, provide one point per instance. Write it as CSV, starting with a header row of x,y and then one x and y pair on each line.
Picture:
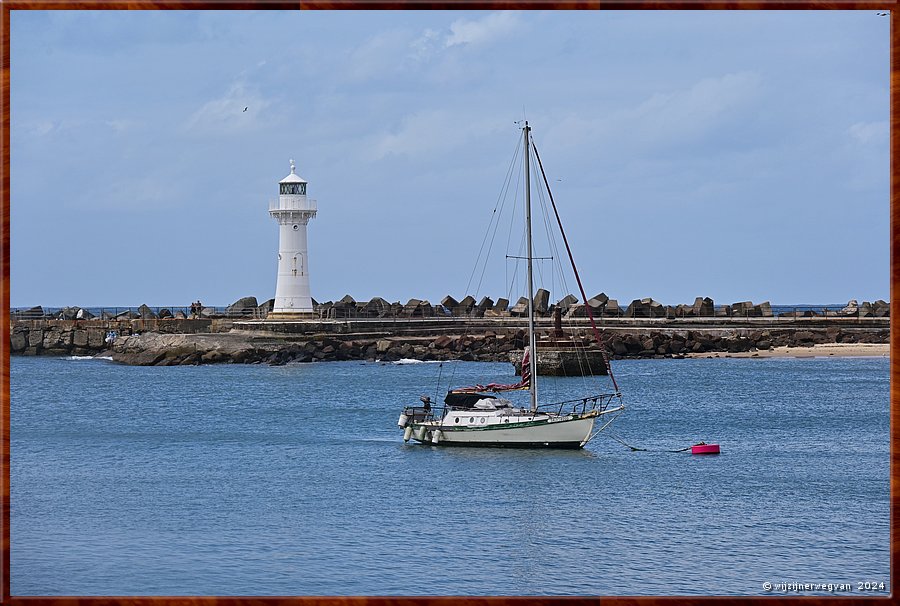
x,y
545,433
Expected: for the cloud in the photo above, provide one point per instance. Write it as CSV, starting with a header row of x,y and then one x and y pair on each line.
x,y
427,132
423,47
869,132
44,127
226,114
121,125
481,31
672,118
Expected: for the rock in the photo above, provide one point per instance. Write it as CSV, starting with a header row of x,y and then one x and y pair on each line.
x,y
18,341
612,308
851,309
577,311
126,315
442,342
376,307
68,313
881,309
763,310
520,308
417,308
32,313
501,305
704,307
485,304
145,312
179,315
165,313
83,314
567,302
245,306
599,300
541,301
264,308
742,309
449,302
382,345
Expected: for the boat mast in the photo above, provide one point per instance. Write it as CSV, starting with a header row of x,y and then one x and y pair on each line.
x,y
531,340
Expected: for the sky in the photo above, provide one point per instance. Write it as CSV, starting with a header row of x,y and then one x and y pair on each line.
x,y
733,155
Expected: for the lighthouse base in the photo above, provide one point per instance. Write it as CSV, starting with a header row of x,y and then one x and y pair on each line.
x,y
292,315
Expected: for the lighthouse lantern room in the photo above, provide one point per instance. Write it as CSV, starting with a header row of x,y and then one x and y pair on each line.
x,y
293,212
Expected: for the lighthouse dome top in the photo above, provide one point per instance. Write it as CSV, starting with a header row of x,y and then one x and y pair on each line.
x,y
293,177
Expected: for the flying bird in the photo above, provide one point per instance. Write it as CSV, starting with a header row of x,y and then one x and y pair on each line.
x,y
245,109
882,14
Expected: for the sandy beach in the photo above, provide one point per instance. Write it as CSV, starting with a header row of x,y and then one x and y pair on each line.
x,y
824,350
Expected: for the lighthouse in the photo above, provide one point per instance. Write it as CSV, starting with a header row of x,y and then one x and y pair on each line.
x,y
293,212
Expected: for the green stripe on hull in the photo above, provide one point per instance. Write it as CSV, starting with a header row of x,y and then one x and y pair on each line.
x,y
563,445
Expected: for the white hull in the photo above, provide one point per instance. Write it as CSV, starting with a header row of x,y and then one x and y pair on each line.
x,y
542,432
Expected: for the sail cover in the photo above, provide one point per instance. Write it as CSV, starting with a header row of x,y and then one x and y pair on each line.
x,y
525,383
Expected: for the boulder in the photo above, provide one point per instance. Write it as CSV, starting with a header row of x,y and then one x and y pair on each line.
x,y
601,299
67,313
145,312
376,307
637,309
245,306
851,309
501,304
577,311
704,307
612,308
881,309
541,301
763,310
165,313
566,302
742,309
520,308
83,314
347,301
449,302
485,304
263,309
179,315
32,313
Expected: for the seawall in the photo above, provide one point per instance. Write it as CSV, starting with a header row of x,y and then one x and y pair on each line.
x,y
201,341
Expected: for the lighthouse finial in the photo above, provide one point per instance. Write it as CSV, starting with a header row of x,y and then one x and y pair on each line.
x,y
292,166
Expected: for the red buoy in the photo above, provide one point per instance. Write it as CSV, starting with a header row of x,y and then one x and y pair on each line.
x,y
704,448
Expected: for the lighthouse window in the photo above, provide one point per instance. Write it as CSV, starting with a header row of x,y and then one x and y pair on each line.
x,y
293,188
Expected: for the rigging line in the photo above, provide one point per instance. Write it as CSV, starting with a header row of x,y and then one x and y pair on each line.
x,y
504,193
494,215
437,388
577,278
635,448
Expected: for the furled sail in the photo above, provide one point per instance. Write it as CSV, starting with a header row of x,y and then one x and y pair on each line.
x,y
525,383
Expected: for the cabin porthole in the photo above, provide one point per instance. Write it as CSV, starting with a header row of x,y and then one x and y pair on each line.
x,y
456,420
482,420
471,419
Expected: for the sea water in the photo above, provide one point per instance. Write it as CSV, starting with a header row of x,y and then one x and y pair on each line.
x,y
294,480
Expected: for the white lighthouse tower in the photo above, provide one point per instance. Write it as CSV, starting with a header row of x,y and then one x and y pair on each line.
x,y
292,211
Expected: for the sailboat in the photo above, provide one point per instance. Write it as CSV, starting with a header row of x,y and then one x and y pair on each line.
x,y
479,416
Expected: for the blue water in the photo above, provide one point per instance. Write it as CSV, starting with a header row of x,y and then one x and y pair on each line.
x,y
258,480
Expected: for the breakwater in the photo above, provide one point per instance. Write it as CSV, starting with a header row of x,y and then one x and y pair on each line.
x,y
202,341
